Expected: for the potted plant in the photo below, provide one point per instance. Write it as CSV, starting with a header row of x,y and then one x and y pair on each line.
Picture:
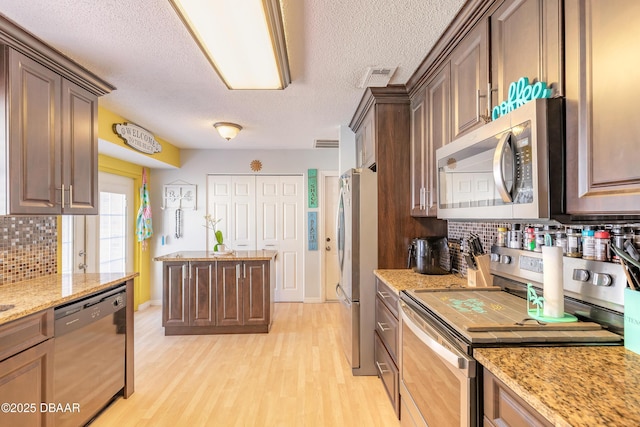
x,y
211,223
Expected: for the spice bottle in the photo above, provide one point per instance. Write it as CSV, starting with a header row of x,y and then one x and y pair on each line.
x,y
561,240
514,237
501,237
602,239
530,239
574,243
617,239
588,243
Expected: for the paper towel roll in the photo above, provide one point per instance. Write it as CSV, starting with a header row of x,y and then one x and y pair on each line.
x,y
552,286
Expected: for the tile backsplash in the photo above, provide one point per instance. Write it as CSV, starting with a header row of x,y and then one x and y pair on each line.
x,y
28,247
461,230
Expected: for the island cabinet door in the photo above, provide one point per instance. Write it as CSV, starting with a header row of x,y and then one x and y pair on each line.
x,y
175,307
256,292
229,293
202,289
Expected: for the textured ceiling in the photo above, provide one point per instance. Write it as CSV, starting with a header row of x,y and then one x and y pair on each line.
x,y
165,84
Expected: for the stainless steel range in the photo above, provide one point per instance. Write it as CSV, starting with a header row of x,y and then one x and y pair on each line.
x,y
440,380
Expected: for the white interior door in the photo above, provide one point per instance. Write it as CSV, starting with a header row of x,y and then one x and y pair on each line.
x,y
243,213
280,212
330,268
219,203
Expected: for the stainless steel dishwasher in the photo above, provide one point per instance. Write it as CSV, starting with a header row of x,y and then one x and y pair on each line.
x,y
89,357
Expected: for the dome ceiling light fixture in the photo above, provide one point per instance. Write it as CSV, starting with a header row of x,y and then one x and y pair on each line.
x,y
227,130
244,41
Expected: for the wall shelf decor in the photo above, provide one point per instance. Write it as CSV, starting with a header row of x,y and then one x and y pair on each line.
x,y
180,195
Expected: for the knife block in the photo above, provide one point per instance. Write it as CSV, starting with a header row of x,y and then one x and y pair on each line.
x,y
482,276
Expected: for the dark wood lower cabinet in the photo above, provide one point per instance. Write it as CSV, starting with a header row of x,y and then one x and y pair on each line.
x,y
26,370
217,297
504,408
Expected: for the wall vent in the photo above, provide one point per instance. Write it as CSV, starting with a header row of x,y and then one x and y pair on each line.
x,y
377,77
325,143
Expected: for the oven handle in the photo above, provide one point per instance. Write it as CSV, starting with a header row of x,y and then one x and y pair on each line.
x,y
460,362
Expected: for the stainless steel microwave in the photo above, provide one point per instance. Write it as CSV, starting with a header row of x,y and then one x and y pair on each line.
x,y
509,169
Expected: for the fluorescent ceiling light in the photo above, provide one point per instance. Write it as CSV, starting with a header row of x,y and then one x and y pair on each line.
x,y
243,40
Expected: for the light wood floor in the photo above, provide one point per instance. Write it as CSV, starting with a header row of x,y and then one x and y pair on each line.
x,y
296,375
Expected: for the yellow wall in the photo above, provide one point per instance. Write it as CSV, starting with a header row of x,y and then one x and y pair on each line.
x,y
169,154
141,259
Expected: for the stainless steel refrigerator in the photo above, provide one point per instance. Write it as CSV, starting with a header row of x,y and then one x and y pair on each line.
x,y
357,237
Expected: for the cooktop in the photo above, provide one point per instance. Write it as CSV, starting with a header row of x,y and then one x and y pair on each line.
x,y
494,316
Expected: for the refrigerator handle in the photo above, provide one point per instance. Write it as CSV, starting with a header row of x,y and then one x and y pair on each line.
x,y
339,236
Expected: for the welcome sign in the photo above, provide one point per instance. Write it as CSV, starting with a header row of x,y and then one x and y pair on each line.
x,y
137,137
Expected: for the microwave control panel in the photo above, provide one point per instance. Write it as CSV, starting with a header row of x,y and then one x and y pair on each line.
x,y
523,157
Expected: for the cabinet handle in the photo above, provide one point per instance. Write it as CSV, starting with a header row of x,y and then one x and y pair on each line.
x,y
70,195
421,198
62,195
478,105
489,91
382,371
244,271
383,295
237,274
429,192
184,272
382,328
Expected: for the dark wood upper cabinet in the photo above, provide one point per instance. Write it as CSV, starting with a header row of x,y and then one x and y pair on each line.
x,y
49,143
526,42
469,80
430,130
79,149
388,111
603,160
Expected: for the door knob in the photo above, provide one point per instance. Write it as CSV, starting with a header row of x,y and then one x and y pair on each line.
x,y
328,248
328,239
82,266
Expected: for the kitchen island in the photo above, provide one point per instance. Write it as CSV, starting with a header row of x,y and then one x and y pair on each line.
x,y
207,293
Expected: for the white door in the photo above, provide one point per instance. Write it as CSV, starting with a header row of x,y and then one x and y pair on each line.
x,y
280,212
330,268
102,243
242,223
219,203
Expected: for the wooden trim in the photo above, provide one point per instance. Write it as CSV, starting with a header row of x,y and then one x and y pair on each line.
x,y
394,94
129,350
466,18
215,330
23,41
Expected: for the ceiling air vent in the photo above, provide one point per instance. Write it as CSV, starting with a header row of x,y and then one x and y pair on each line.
x,y
325,143
377,77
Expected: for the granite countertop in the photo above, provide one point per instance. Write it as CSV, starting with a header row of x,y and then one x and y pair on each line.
x,y
31,296
406,279
209,256
572,386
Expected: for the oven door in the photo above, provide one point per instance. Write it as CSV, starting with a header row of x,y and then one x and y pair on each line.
x,y
438,381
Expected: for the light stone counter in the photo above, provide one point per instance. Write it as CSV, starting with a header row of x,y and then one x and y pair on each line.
x,y
572,386
31,296
401,280
209,256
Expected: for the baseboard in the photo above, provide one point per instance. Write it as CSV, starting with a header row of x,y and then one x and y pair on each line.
x,y
314,300
144,305
155,302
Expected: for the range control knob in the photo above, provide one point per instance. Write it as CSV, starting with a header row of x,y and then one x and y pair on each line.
x,y
601,279
505,259
495,257
581,275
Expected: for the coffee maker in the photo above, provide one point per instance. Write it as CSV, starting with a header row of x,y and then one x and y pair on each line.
x,y
429,254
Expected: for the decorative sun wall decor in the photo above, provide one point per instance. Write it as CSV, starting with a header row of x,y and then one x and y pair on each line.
x,y
256,165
